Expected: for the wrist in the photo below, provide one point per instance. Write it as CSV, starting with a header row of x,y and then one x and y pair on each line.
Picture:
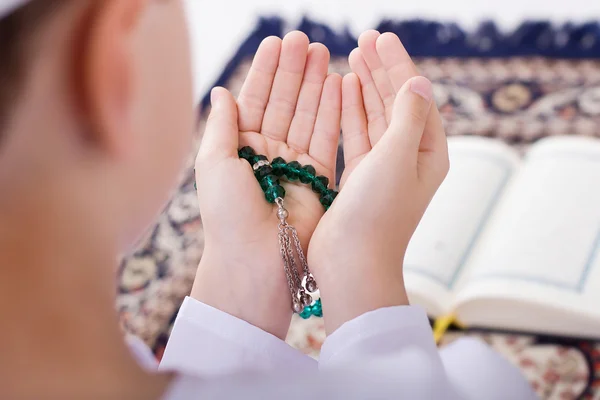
x,y
254,291
348,292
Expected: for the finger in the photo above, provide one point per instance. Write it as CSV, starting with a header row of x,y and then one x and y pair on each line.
x,y
326,136
286,87
254,95
367,45
411,110
354,124
220,138
303,122
374,108
401,68
395,59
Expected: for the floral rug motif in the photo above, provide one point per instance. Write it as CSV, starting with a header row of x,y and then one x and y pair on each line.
x,y
539,80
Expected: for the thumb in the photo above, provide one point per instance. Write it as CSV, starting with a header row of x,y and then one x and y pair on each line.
x,y
409,117
221,136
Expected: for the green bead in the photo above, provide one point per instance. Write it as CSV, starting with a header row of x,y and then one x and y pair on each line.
x,y
263,171
310,169
317,312
317,309
293,170
306,313
279,166
307,174
274,192
254,159
305,177
268,181
246,152
319,184
327,198
278,160
326,201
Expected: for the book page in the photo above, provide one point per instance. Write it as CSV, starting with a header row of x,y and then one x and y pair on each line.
x,y
541,251
480,169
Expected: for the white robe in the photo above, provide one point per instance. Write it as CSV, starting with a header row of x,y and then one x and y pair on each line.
x,y
385,354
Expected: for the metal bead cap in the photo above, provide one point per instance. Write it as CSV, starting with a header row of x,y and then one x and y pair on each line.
x,y
311,285
306,299
297,307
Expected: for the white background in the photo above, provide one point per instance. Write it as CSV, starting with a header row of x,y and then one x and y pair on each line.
x,y
219,26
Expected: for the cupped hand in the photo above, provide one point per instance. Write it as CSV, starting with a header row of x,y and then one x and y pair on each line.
x,y
289,106
396,157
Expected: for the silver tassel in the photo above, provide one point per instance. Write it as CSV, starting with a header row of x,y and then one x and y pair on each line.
x,y
289,243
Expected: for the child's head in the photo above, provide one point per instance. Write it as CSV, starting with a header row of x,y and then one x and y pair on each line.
x,y
96,110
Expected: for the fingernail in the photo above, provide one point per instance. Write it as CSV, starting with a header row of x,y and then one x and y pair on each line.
x,y
214,95
421,86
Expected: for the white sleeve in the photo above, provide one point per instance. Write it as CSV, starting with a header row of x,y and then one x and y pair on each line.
x,y
400,339
141,352
385,354
478,372
208,342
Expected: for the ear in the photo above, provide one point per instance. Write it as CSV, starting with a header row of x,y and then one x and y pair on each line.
x,y
107,72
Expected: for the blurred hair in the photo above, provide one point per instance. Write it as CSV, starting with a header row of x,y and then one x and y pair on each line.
x,y
17,37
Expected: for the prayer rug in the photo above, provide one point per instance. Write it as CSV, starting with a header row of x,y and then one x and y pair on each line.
x,y
536,81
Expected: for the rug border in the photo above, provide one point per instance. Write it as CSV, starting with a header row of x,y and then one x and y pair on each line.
x,y
427,38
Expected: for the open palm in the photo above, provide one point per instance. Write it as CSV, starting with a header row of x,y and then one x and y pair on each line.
x,y
396,157
380,66
288,107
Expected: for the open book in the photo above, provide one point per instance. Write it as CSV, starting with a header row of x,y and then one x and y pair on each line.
x,y
513,243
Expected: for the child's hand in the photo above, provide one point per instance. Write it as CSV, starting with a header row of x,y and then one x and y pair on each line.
x,y
288,107
396,158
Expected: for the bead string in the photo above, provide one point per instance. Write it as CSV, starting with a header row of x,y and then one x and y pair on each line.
x,y
268,175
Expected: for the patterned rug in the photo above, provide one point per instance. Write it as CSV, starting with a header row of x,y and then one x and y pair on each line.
x,y
536,81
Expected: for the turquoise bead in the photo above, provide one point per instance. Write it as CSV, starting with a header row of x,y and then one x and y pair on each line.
x,y
307,174
274,192
278,160
306,313
268,177
263,171
268,181
254,159
317,309
293,170
279,166
327,198
319,184
246,153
